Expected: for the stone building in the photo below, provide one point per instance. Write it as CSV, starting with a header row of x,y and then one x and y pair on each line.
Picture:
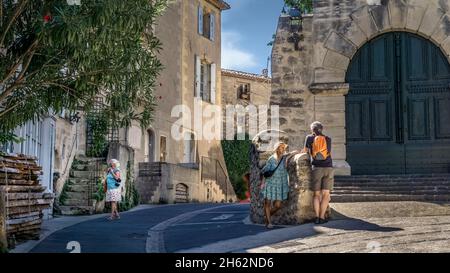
x,y
193,168
243,89
376,73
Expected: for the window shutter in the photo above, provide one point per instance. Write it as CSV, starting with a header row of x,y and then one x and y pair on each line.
x,y
213,83
198,64
200,20
212,26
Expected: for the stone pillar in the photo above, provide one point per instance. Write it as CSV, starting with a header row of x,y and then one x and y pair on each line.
x,y
329,108
298,208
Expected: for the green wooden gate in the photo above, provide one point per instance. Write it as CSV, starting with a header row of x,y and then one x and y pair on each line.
x,y
398,107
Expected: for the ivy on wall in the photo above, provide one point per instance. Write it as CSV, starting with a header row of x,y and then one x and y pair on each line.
x,y
131,198
237,159
98,125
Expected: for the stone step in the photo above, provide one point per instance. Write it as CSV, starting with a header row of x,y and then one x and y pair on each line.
x,y
81,174
76,210
79,181
78,195
391,184
77,188
346,198
412,192
394,188
437,175
88,167
392,178
77,202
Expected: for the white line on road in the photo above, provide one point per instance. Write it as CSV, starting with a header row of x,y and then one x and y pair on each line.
x,y
222,217
209,223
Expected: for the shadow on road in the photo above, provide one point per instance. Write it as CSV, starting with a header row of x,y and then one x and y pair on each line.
x,y
355,224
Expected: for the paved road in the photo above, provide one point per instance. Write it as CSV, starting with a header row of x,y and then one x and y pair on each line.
x,y
177,227
219,228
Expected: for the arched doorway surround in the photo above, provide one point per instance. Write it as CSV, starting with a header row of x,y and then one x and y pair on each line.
x,y
398,107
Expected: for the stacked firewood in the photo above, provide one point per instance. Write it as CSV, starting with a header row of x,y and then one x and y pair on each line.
x,y
24,198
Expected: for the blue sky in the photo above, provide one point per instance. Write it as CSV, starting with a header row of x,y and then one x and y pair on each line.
x,y
246,29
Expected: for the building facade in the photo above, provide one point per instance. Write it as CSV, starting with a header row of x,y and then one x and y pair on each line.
x,y
243,89
376,73
192,168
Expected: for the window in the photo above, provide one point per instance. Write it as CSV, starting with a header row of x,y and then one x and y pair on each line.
x,y
243,92
205,80
189,148
206,23
163,149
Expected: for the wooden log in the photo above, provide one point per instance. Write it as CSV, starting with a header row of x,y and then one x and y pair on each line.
x,y
8,170
13,222
25,203
3,234
25,215
11,176
22,188
26,195
25,226
21,210
18,182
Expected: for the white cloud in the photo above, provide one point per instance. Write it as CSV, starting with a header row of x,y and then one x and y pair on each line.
x,y
234,57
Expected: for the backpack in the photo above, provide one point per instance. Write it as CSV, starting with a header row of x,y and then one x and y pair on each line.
x,y
319,149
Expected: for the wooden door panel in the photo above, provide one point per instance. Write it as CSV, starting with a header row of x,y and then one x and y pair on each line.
x,y
418,119
442,121
398,107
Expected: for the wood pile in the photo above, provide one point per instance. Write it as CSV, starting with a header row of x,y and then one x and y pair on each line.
x,y
24,198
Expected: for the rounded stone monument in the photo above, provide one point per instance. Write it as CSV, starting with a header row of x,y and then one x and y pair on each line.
x,y
298,208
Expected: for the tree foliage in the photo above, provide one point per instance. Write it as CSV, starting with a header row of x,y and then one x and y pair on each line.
x,y
306,6
55,56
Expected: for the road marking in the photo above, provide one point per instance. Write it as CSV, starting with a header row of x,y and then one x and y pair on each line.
x,y
208,223
155,239
222,217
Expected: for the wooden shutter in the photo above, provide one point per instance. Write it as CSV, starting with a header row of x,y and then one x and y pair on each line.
x,y
198,64
200,20
213,83
212,26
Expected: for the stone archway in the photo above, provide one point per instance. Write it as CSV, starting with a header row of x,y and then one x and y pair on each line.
x,y
427,18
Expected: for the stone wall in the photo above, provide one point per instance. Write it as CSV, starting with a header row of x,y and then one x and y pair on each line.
x,y
157,182
309,63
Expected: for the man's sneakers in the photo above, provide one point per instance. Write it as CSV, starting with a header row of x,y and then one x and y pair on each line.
x,y
320,221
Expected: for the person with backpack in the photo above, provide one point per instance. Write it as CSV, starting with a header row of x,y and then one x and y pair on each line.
x,y
275,189
318,146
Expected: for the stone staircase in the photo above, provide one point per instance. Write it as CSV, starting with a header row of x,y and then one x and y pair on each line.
x,y
383,188
77,197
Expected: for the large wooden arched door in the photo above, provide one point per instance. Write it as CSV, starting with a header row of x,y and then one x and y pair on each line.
x,y
398,107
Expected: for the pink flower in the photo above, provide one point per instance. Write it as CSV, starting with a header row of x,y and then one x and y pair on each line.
x,y
47,18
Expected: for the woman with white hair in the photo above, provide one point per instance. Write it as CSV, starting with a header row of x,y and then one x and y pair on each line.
x,y
276,186
113,192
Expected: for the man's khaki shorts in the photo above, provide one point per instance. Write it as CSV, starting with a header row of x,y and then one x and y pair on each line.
x,y
322,179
